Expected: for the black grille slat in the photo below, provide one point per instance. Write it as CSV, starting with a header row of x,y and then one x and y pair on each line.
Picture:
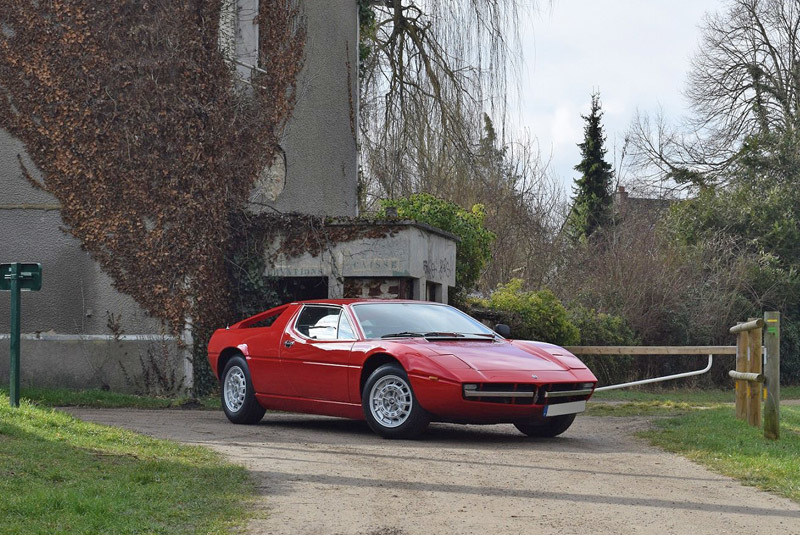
x,y
560,387
523,388
539,392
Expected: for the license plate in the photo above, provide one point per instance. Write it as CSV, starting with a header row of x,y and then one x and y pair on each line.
x,y
565,408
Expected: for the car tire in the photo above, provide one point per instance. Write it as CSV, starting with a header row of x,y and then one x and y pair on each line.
x,y
237,394
549,427
390,406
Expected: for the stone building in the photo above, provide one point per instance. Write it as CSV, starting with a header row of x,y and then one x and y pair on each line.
x,y
79,332
639,207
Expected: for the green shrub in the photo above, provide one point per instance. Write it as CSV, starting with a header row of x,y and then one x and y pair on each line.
x,y
790,351
532,315
599,329
472,252
539,315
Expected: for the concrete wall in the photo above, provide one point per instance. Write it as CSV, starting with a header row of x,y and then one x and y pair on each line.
x,y
412,251
66,341
320,138
75,294
149,365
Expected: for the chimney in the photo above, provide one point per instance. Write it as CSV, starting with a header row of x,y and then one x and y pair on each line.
x,y
620,199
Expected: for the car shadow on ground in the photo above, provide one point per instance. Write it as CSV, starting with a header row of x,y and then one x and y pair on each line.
x,y
502,460
337,431
285,483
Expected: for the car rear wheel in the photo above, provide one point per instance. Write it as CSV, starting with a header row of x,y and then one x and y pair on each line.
x,y
238,397
390,407
549,427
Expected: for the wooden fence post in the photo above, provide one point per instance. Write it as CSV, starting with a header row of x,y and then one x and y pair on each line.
x,y
742,345
772,373
754,366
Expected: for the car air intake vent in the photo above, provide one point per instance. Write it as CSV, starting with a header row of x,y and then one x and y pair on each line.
x,y
508,393
553,394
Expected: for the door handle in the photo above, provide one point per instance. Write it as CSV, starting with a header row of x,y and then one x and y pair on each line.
x,y
289,343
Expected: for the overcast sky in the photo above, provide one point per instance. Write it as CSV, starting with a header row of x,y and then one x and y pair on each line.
x,y
634,52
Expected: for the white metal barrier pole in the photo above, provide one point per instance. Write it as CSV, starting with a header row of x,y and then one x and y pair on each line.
x,y
659,379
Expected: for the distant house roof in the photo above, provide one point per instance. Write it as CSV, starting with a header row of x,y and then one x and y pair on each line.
x,y
626,205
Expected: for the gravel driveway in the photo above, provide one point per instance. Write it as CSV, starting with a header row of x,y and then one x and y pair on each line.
x,y
323,475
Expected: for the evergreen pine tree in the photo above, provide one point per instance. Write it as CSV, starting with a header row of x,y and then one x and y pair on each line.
x,y
591,207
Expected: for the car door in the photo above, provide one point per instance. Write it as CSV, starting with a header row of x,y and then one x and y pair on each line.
x,y
263,350
315,353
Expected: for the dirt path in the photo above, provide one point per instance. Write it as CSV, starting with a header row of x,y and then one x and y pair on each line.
x,y
328,476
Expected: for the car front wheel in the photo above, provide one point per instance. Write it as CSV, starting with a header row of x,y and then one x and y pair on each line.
x,y
390,407
549,427
238,397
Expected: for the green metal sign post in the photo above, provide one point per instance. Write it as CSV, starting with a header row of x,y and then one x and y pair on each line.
x,y
16,277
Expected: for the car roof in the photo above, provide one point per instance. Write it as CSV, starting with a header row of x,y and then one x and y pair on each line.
x,y
353,301
338,302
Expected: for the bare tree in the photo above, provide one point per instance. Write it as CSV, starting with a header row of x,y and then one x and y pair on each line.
x,y
667,292
431,70
433,75
746,77
525,209
744,81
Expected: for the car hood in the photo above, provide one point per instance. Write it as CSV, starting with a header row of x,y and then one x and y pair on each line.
x,y
500,355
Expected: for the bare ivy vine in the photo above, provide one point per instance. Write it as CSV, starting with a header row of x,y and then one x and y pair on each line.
x,y
144,136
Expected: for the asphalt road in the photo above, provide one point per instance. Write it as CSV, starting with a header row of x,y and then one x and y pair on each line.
x,y
319,475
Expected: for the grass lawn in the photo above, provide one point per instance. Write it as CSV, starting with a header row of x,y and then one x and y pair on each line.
x,y
61,475
701,425
64,397
715,438
683,395
666,402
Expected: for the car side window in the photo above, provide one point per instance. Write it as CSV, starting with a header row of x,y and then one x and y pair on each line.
x,y
346,331
324,323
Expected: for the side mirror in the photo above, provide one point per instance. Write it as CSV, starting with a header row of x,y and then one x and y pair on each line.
x,y
503,330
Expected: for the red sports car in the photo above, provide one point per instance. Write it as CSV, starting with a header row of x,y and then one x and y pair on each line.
x,y
396,364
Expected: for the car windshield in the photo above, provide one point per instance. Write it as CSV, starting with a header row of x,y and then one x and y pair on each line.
x,y
416,319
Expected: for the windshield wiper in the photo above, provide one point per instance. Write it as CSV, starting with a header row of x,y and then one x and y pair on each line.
x,y
468,336
439,334
404,334
432,334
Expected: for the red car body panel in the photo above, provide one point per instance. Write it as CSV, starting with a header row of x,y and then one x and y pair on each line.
x,y
294,373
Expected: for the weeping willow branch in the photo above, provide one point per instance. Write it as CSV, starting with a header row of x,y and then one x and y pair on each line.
x,y
438,65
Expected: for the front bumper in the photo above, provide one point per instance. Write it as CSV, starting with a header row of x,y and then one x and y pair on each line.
x,y
503,402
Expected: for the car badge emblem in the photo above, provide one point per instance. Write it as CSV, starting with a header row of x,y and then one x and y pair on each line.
x,y
535,376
